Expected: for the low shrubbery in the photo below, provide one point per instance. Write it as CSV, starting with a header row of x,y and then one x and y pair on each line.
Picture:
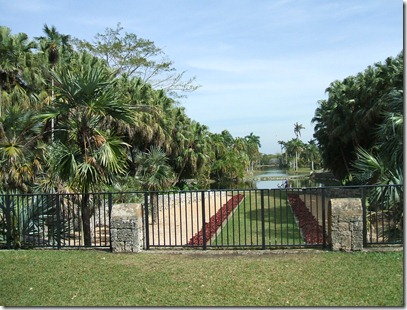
x,y
311,230
216,221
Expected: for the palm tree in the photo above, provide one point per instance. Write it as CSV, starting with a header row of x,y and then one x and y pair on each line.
x,y
283,146
294,148
15,53
252,149
53,44
19,150
312,152
192,156
155,174
346,121
383,165
85,154
297,129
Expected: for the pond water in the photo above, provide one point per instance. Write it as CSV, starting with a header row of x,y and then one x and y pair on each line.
x,y
267,179
278,176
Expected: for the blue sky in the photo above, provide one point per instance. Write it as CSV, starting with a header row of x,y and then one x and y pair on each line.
x,y
262,64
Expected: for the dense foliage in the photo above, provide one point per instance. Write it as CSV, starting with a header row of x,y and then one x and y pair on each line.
x,y
359,128
82,116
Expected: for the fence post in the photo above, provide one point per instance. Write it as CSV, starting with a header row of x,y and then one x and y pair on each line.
x,y
203,221
263,225
147,231
58,234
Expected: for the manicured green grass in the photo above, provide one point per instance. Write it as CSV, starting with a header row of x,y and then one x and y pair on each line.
x,y
93,278
244,227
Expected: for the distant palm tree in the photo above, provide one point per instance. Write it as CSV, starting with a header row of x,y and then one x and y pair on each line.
x,y
252,149
312,152
282,146
294,148
297,129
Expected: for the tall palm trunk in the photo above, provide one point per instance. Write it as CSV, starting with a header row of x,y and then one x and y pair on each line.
x,y
86,215
52,102
154,206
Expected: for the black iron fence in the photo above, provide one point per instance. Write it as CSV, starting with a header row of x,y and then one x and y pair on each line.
x,y
269,218
55,220
252,219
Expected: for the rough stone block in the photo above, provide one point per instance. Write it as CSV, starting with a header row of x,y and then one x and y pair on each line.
x,y
346,224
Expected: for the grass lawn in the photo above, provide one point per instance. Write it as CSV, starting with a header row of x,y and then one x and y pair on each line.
x,y
244,227
95,278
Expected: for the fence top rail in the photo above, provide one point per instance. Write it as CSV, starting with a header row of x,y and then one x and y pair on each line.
x,y
140,192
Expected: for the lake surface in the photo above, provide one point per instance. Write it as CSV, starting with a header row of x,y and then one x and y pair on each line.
x,y
278,176
281,175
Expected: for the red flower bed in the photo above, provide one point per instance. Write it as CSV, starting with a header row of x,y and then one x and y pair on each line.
x,y
310,228
216,221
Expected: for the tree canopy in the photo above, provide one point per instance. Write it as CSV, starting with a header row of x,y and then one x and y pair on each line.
x,y
77,116
354,118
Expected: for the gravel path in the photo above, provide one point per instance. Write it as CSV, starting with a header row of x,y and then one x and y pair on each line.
x,y
180,216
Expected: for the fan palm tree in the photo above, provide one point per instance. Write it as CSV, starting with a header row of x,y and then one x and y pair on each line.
x,y
86,155
19,150
15,53
154,173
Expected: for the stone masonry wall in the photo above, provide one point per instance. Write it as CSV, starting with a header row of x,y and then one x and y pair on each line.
x,y
126,227
345,224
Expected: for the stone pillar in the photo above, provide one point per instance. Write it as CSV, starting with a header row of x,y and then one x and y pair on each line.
x,y
345,224
126,227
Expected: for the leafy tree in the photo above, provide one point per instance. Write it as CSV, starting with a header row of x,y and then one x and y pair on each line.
x,y
137,57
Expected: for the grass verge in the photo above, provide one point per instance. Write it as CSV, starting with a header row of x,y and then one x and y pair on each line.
x,y
93,278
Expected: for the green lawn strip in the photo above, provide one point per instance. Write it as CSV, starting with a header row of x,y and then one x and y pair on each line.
x,y
91,278
244,227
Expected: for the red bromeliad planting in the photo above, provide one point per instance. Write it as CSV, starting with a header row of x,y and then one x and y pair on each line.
x,y
310,228
216,221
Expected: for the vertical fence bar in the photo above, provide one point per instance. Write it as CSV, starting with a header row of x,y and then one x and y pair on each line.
x,y
203,221
263,226
58,232
8,220
364,217
110,206
146,224
324,241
